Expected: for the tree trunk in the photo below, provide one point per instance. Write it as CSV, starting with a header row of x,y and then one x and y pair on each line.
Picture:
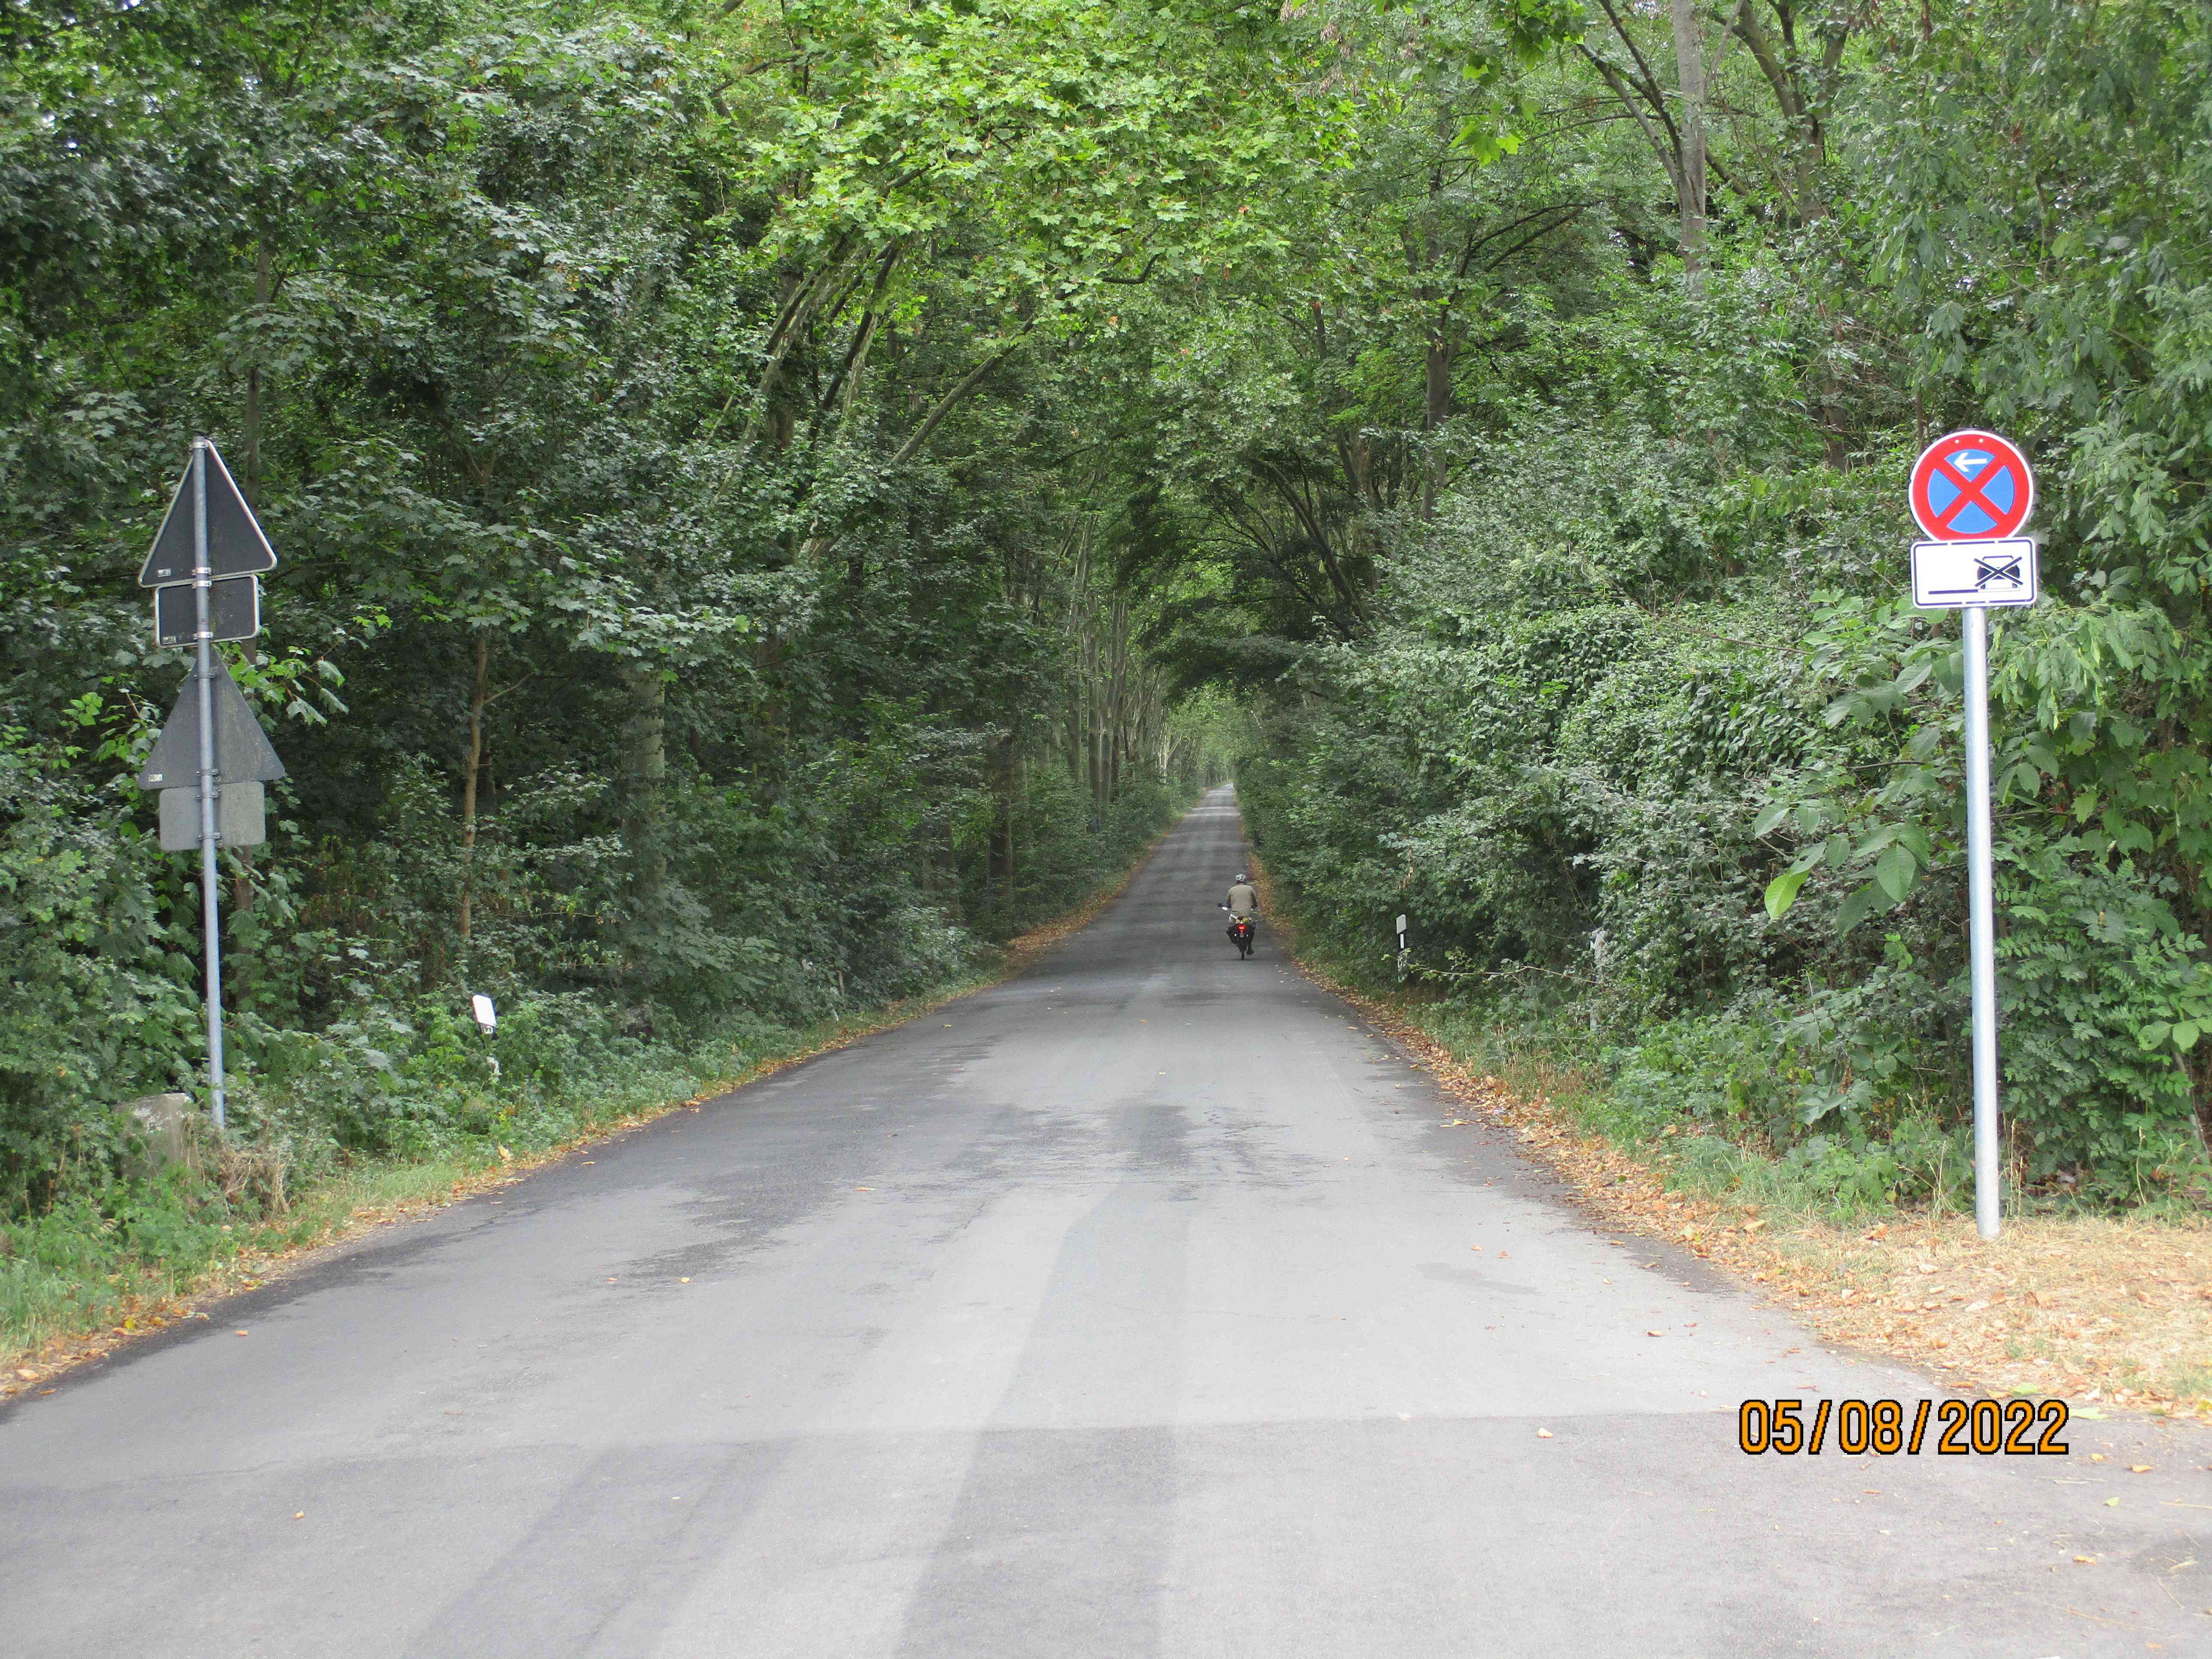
x,y
770,742
264,282
469,775
644,770
1436,409
1013,807
1094,726
1690,70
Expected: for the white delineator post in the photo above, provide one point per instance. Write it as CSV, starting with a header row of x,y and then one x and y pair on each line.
x,y
203,674
1981,905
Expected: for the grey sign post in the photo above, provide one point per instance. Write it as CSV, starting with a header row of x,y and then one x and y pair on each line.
x,y
204,672
1972,492
209,533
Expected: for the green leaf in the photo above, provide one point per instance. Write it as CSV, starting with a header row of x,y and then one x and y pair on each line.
x,y
1782,892
1895,871
2185,1036
1875,842
1772,816
1858,907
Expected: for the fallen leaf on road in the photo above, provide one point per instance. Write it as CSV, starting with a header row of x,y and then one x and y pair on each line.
x,y
299,1515
1544,1434
2087,1560
238,1332
2112,1503
1655,1332
26,1373
2138,1468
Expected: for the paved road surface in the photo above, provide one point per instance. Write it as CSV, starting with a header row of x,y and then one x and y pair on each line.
x,y
1142,1306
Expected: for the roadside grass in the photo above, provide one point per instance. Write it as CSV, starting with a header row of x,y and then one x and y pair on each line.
x,y
79,1280
2097,1306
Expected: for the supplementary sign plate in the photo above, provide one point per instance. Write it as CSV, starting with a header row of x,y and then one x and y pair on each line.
x,y
233,612
1958,575
241,816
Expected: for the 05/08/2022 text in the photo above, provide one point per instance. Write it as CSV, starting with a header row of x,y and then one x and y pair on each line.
x,y
2016,1428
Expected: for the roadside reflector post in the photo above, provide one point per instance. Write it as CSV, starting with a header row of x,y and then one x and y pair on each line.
x,y
1973,492
486,1019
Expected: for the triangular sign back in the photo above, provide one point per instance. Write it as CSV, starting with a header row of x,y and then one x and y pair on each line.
x,y
236,546
242,752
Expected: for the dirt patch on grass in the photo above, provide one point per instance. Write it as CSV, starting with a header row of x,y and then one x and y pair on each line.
x,y
2095,1309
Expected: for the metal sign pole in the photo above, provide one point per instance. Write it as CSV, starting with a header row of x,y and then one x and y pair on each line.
x,y
1972,493
1982,933
202,580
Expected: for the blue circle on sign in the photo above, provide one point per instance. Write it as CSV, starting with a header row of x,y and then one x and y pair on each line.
x,y
1973,518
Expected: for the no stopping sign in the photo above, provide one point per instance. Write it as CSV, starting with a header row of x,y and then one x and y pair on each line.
x,y
1972,486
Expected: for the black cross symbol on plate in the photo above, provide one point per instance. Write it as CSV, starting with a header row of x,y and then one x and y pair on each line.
x,y
1997,568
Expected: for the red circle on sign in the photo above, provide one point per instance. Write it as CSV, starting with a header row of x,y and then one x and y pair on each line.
x,y
1972,486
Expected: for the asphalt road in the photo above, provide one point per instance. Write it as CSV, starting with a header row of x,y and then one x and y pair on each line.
x,y
1143,1305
